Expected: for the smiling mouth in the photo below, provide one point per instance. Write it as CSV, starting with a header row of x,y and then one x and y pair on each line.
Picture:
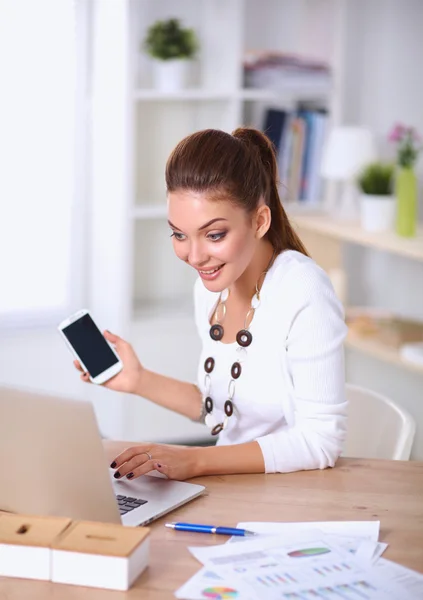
x,y
210,271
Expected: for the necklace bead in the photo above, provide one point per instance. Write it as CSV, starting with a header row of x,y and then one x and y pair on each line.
x,y
217,429
224,295
244,338
229,408
236,370
209,364
216,332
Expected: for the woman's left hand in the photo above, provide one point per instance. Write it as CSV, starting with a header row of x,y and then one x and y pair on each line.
x,y
176,462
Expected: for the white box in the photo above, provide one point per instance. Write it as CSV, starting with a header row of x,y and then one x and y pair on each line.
x,y
100,555
25,544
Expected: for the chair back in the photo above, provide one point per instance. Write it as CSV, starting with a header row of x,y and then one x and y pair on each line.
x,y
377,427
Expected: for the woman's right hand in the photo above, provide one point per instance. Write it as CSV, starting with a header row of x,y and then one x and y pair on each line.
x,y
127,380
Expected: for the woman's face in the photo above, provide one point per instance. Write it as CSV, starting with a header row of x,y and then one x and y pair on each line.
x,y
215,237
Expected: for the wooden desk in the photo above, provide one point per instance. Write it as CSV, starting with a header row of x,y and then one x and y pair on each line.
x,y
390,491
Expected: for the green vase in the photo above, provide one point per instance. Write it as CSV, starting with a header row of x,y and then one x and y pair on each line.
x,y
406,192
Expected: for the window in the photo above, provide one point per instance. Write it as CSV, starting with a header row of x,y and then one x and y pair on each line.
x,y
42,125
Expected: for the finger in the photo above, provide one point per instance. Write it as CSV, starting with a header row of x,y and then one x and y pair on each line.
x,y
77,365
130,465
164,469
143,469
111,337
86,377
129,454
115,340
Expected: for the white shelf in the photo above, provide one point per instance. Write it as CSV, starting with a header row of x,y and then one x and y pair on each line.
x,y
381,351
252,94
306,92
352,232
182,95
150,211
256,94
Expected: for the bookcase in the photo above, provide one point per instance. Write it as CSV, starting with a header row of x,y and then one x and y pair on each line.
x,y
138,286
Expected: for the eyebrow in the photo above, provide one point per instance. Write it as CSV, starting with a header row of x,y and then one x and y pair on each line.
x,y
203,226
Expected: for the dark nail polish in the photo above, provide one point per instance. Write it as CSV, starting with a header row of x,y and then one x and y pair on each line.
x,y
159,465
130,475
116,475
112,466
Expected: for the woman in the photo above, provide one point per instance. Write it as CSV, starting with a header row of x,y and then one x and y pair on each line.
x,y
271,374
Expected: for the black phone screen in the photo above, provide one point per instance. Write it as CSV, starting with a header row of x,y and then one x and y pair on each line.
x,y
87,340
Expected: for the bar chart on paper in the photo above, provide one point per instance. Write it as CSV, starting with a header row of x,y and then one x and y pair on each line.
x,y
356,590
220,593
276,580
281,579
326,570
267,579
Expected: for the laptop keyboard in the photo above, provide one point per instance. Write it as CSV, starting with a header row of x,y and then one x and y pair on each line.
x,y
126,503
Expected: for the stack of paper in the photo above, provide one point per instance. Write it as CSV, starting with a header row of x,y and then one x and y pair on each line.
x,y
301,561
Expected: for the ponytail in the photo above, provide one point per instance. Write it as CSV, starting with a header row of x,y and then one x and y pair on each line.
x,y
281,233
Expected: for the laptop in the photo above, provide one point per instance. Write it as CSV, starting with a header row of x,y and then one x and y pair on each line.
x,y
53,463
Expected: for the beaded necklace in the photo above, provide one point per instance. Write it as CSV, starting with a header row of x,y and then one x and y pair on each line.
x,y
243,338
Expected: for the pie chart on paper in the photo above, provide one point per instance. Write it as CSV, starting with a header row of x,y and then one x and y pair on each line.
x,y
307,552
220,593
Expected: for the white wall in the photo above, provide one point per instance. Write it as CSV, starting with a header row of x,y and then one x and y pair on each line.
x,y
303,26
383,85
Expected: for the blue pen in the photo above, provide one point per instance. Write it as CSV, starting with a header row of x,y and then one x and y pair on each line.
x,y
209,529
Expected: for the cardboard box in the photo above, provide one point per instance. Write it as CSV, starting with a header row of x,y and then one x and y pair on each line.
x,y
25,543
100,555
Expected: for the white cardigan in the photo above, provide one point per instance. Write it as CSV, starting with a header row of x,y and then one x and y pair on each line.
x,y
290,396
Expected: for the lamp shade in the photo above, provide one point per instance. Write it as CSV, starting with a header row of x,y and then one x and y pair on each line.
x,y
347,151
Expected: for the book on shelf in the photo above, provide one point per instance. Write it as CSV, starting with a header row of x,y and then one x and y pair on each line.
x,y
298,138
274,125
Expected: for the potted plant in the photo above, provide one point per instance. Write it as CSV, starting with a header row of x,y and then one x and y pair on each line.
x,y
408,148
172,47
377,203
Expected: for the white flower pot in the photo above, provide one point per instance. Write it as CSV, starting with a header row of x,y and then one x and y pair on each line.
x,y
377,213
170,75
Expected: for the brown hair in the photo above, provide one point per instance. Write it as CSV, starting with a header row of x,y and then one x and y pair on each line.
x,y
241,167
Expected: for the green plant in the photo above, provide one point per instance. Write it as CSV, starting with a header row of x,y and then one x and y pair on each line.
x,y
168,40
377,179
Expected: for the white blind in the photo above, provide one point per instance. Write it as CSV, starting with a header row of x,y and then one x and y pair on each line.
x,y
37,156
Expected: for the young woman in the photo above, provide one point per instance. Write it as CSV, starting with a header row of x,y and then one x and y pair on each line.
x,y
271,372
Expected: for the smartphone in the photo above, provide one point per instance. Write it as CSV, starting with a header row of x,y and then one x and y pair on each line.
x,y
86,342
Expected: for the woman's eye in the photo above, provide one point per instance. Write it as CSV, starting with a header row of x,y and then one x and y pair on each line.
x,y
215,237
178,236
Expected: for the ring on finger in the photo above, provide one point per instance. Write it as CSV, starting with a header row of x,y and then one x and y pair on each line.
x,y
148,454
